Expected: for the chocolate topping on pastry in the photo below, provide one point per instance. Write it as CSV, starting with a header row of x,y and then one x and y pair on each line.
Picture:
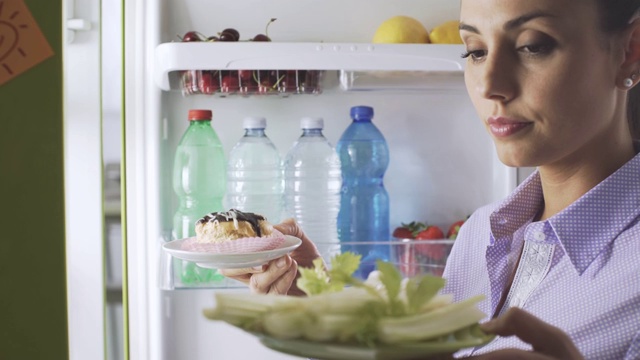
x,y
234,216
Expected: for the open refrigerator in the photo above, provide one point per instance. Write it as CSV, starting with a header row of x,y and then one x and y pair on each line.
x,y
442,163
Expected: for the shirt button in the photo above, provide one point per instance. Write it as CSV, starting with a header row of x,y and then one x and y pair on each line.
x,y
540,236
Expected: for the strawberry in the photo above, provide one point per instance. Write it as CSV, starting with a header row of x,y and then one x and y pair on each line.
x,y
432,232
402,233
433,251
454,229
408,231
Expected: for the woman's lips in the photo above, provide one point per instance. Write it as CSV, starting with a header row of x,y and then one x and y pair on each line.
x,y
503,127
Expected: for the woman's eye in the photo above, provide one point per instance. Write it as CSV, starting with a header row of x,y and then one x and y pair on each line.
x,y
475,55
536,49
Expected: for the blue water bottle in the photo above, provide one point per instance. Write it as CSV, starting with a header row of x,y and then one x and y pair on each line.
x,y
364,202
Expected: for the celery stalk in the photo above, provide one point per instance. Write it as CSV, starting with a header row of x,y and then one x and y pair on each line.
x,y
429,325
286,324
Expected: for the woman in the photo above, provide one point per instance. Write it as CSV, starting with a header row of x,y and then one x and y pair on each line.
x,y
552,81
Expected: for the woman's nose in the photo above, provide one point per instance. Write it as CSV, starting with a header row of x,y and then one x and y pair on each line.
x,y
496,80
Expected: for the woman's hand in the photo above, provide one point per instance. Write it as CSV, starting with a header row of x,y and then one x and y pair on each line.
x,y
279,275
548,342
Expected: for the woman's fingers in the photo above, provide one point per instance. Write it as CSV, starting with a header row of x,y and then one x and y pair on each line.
x,y
243,275
283,284
307,251
289,227
515,321
548,341
262,282
279,275
243,271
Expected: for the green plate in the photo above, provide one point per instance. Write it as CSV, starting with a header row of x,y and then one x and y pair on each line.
x,y
340,351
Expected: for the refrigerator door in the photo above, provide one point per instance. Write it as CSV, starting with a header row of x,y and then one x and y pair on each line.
x,y
83,183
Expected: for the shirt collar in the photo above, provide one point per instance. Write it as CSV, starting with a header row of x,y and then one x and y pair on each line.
x,y
593,221
517,209
586,226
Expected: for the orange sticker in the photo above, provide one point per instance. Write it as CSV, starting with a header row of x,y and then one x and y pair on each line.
x,y
22,44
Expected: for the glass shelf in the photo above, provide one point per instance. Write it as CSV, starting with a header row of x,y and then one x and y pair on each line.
x,y
411,257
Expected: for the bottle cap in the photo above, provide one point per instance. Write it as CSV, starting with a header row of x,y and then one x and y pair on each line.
x,y
361,113
311,123
198,114
254,123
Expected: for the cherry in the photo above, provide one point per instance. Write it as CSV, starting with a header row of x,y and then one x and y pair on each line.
x,y
208,82
229,83
191,36
248,84
245,75
233,32
265,86
224,36
261,77
263,37
288,82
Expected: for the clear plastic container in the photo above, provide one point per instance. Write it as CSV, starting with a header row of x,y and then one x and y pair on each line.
x,y
312,183
254,173
224,83
404,81
412,257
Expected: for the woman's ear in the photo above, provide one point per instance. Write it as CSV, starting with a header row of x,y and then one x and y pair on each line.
x,y
630,67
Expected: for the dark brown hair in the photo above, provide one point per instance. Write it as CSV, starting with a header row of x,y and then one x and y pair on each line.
x,y
615,16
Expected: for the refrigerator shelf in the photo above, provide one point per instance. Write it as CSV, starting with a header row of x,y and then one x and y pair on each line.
x,y
349,58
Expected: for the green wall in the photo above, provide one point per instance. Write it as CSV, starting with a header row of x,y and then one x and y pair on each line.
x,y
33,315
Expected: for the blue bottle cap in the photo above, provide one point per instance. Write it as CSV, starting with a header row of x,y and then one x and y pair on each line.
x,y
359,113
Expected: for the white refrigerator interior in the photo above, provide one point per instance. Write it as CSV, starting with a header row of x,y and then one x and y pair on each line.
x,y
442,163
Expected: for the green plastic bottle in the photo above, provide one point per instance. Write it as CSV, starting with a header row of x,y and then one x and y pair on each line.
x,y
199,181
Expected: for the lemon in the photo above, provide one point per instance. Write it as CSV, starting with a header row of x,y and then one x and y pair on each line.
x,y
446,33
401,29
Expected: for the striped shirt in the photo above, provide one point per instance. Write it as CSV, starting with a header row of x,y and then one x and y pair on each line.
x,y
579,270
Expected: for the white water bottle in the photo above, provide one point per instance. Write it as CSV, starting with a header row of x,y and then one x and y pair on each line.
x,y
312,185
254,173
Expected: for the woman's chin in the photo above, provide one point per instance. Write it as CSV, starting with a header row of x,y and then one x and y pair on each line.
x,y
512,158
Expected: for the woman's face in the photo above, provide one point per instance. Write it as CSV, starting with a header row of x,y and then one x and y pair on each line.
x,y
543,78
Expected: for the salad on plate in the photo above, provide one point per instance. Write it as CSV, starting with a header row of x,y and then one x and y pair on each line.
x,y
342,317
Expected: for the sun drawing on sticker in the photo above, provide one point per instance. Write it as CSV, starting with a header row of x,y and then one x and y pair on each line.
x,y
9,36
